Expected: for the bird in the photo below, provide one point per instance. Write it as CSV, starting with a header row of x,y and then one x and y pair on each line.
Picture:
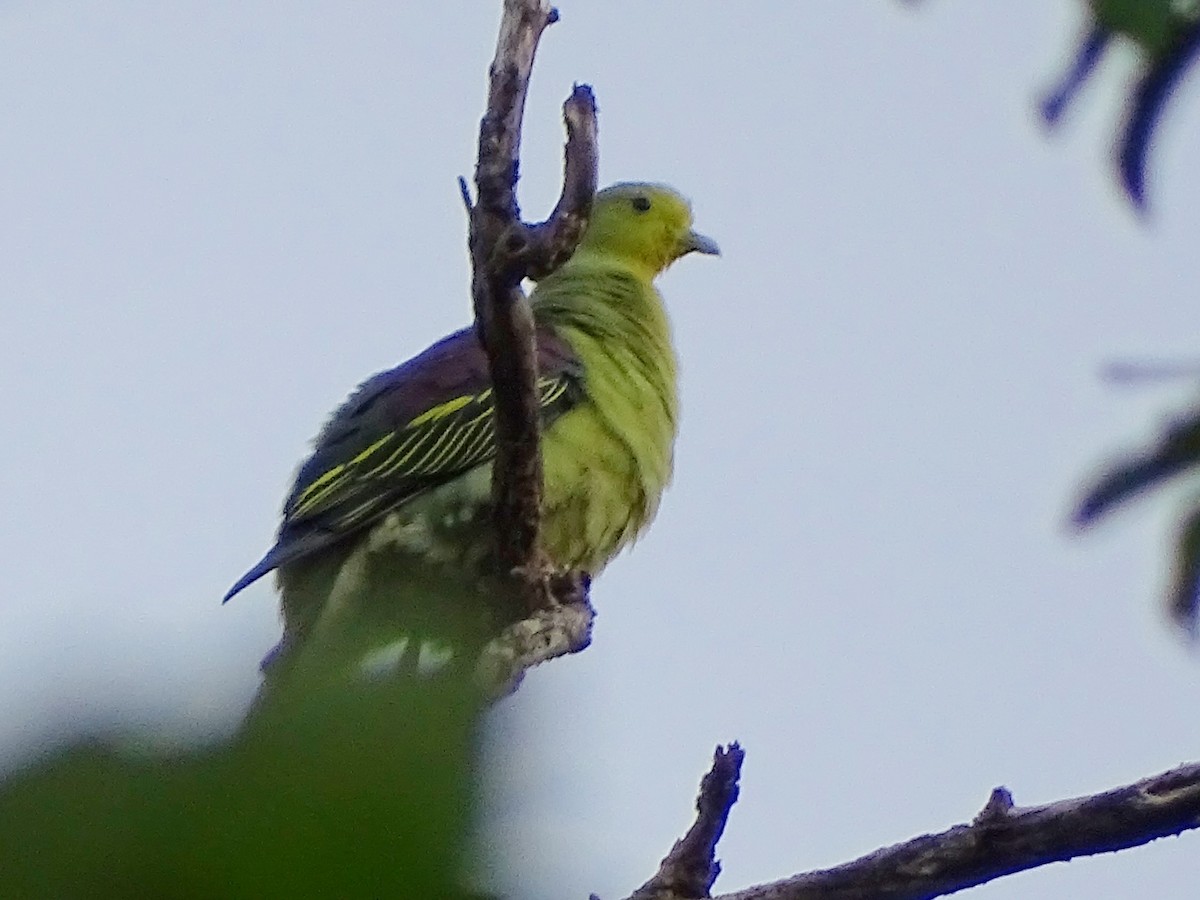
x,y
385,547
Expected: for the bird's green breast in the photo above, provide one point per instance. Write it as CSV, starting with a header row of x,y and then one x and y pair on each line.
x,y
608,460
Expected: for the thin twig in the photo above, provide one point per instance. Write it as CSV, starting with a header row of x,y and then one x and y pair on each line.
x,y
555,239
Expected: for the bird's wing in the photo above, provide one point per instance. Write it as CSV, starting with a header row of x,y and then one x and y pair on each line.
x,y
403,432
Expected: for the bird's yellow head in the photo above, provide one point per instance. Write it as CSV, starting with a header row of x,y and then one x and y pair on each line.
x,y
648,225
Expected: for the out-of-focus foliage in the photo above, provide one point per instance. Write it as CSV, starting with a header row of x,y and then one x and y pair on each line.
x,y
1153,24
1176,451
1167,33
359,790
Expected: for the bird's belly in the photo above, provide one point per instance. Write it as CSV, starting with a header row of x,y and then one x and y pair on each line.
x,y
449,526
444,531
594,502
417,578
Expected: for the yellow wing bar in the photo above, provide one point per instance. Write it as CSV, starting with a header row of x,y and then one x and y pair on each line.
x,y
437,444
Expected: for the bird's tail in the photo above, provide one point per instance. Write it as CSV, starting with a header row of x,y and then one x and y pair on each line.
x,y
358,618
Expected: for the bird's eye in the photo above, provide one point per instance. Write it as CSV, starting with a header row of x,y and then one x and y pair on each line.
x,y
641,204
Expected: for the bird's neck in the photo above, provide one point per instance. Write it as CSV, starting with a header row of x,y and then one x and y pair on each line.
x,y
614,303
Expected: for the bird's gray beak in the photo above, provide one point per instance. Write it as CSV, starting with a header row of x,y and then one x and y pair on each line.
x,y
698,243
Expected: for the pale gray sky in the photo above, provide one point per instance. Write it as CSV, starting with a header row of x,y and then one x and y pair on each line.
x,y
219,217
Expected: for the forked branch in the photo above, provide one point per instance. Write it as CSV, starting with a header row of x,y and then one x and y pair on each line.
x,y
504,251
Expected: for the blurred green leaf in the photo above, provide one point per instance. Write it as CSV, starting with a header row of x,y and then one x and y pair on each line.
x,y
360,790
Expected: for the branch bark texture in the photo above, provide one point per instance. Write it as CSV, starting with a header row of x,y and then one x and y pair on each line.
x,y
1001,840
504,251
691,867
548,633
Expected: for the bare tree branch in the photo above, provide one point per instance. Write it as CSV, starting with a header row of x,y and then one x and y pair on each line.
x,y
504,250
554,240
558,630
1001,840
691,867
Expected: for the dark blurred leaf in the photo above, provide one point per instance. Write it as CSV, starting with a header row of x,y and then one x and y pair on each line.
x,y
1091,48
1168,35
1131,372
1185,581
1146,108
1176,451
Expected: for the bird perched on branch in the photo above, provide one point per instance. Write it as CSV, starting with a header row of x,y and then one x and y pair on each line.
x,y
393,505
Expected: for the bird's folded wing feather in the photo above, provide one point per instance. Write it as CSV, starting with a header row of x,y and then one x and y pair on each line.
x,y
402,433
